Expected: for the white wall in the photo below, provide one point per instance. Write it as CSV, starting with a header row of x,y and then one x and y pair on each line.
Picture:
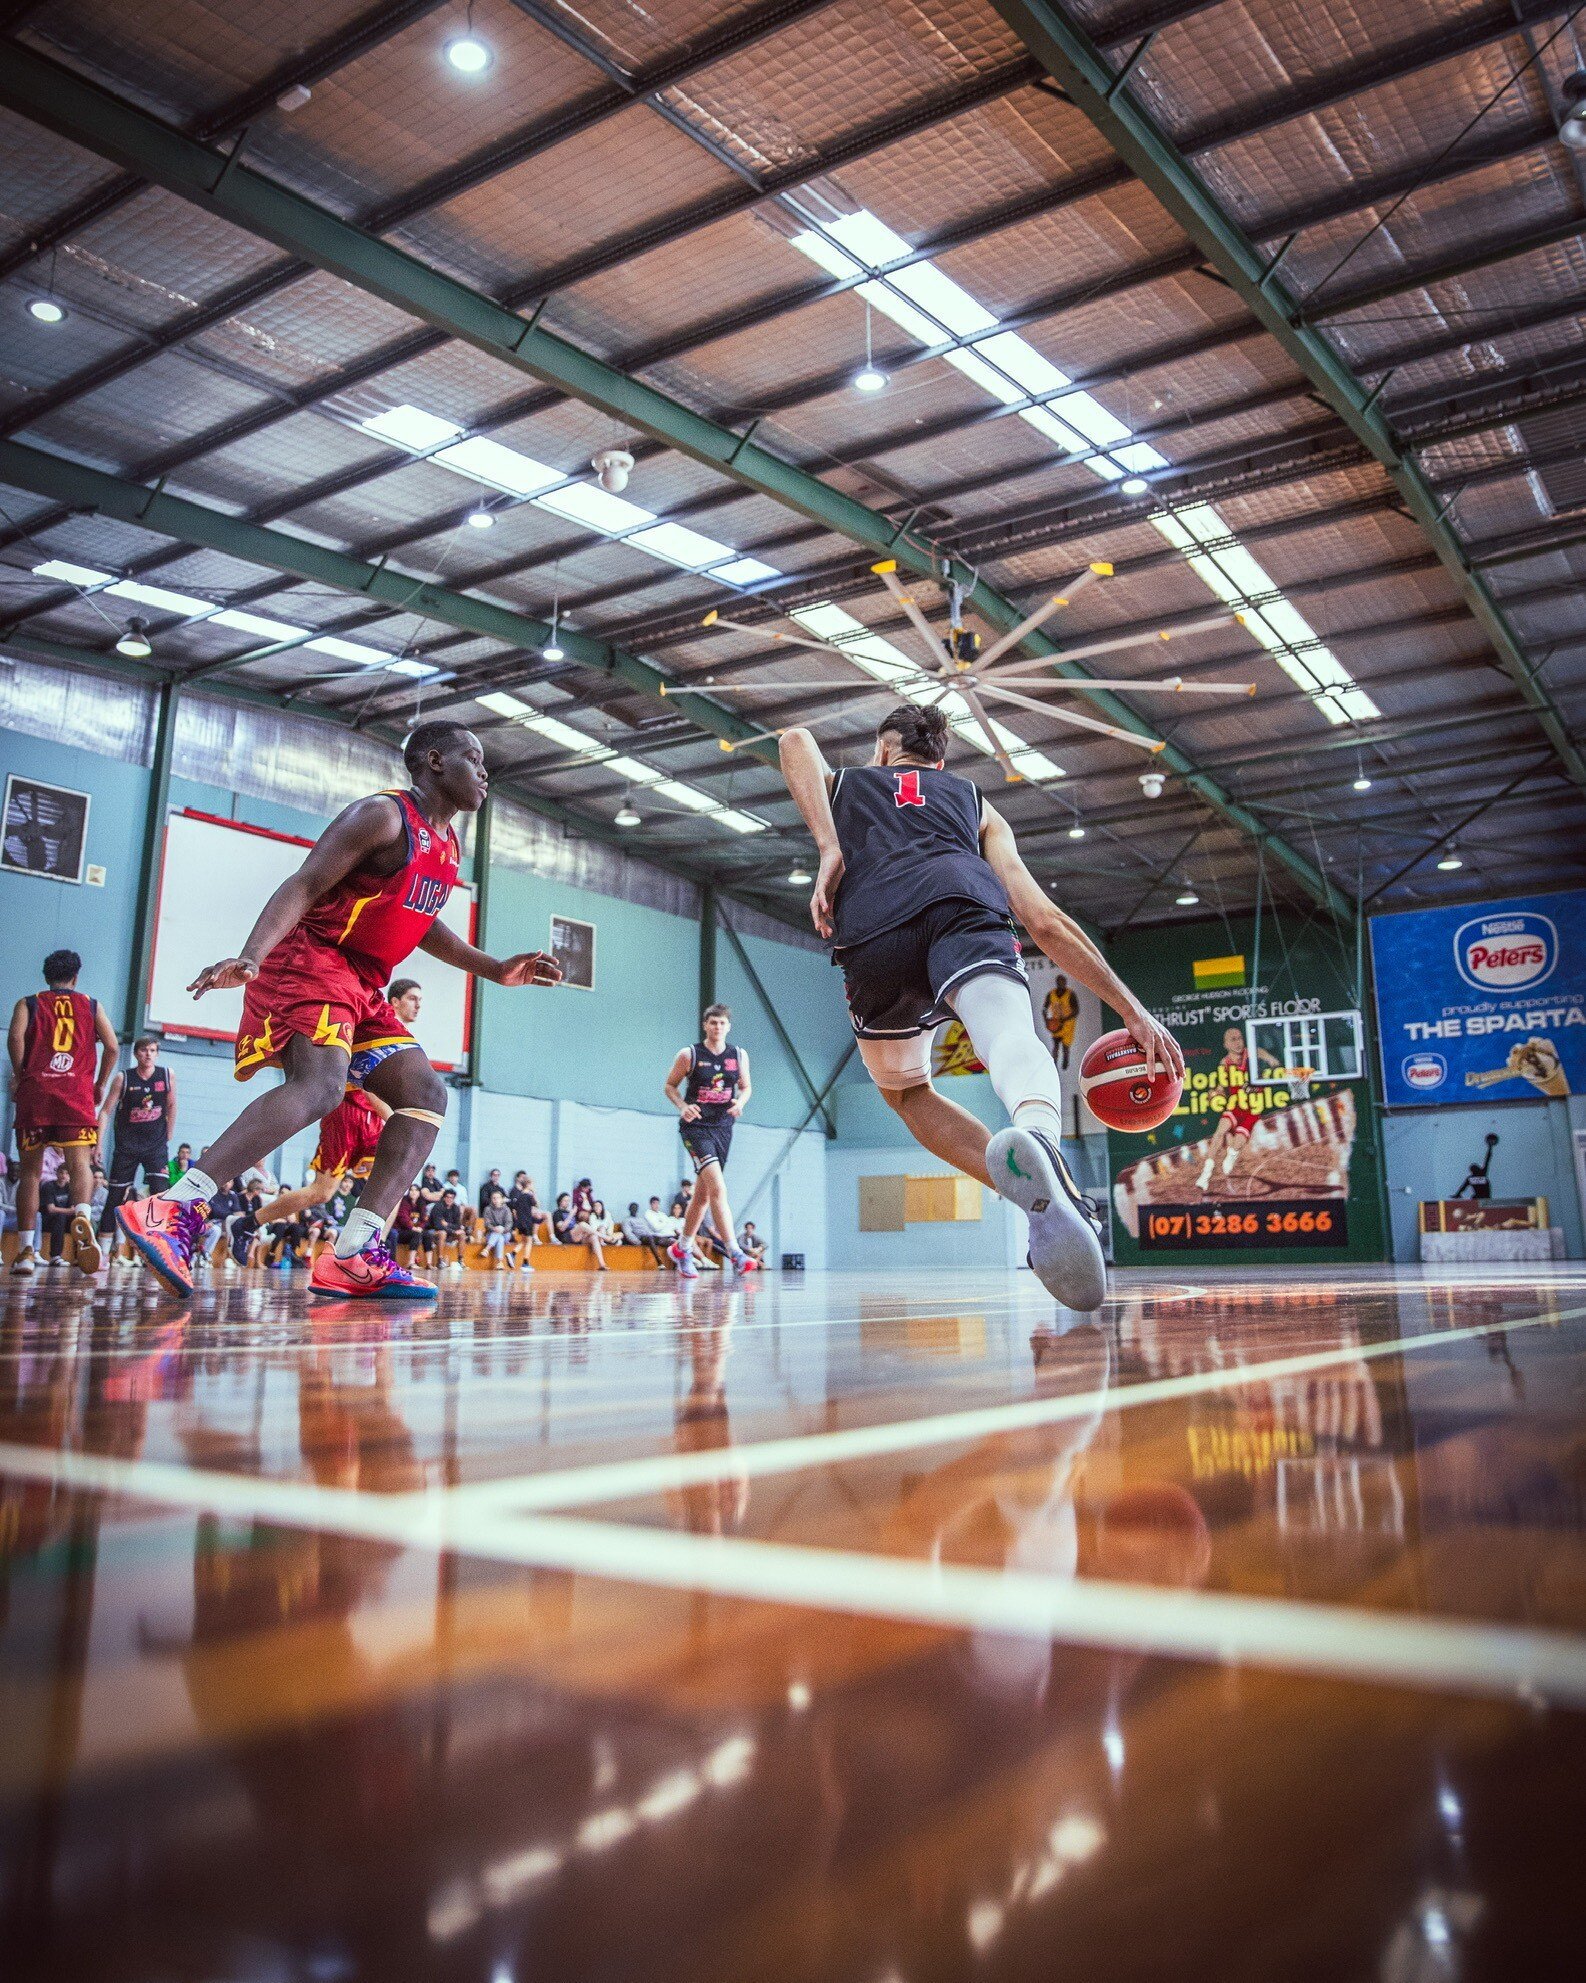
x,y
1429,1150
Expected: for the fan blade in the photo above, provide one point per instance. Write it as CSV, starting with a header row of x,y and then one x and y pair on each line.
x,y
1122,641
1150,744
978,711
770,633
866,687
1171,685
1043,613
887,572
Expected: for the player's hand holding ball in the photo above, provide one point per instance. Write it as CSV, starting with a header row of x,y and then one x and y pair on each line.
x,y
1158,1045
1130,1083
227,975
530,967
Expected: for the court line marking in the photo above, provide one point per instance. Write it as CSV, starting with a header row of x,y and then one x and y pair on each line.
x,y
1458,1655
622,1480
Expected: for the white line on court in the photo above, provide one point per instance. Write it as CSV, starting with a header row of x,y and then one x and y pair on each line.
x,y
1459,1655
621,1480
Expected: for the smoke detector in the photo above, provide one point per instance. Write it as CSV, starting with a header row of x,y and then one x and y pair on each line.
x,y
613,466
1151,783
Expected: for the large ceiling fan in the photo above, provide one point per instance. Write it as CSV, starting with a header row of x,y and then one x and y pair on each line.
x,y
953,664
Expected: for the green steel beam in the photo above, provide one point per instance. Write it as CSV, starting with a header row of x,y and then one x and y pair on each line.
x,y
82,488
147,898
61,654
1074,62
66,103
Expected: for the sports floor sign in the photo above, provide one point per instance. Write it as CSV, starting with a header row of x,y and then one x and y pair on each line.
x,y
1271,1153
1483,1000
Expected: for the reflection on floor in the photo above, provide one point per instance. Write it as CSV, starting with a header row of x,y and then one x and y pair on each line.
x,y
826,1627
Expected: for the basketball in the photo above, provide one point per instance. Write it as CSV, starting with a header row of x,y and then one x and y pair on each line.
x,y
1121,1094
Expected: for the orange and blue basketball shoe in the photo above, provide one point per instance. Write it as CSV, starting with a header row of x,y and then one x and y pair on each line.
x,y
166,1233
370,1275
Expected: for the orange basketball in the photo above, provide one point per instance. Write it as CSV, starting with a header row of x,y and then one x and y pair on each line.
x,y
1114,1081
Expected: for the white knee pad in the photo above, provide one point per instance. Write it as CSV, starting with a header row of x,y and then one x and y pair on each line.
x,y
898,1063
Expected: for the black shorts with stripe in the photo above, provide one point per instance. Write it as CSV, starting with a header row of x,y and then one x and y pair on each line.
x,y
708,1142
897,982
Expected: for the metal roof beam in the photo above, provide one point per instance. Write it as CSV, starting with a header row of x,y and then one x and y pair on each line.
x,y
1318,308
1073,60
105,124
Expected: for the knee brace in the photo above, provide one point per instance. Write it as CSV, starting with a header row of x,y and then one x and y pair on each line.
x,y
422,1115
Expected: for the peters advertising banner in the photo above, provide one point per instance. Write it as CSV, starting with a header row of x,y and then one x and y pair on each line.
x,y
1482,1002
1272,1153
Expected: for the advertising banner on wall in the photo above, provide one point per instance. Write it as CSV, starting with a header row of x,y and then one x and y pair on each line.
x,y
1272,1153
1483,1002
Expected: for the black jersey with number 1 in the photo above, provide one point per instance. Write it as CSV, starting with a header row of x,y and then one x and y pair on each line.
x,y
910,837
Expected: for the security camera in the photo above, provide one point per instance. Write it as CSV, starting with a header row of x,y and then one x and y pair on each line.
x,y
1151,783
613,466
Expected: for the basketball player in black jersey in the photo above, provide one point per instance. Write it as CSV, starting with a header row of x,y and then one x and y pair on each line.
x,y
919,882
708,1086
143,1102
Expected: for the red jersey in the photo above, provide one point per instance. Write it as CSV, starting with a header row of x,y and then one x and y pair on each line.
x,y
55,1089
378,920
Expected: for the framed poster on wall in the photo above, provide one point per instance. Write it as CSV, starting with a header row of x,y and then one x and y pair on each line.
x,y
46,829
573,947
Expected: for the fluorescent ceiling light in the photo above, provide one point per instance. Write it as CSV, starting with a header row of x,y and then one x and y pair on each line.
x,y
499,703
163,601
631,769
349,650
585,503
684,795
412,428
230,616
744,571
69,574
680,546
932,308
499,467
555,731
740,822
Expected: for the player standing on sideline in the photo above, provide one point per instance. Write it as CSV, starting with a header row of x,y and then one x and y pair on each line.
x,y
325,943
708,1086
350,1134
58,1100
143,1102
1060,1009
917,878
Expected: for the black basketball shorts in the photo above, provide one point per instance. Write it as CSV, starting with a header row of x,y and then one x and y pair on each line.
x,y
131,1154
897,983
707,1142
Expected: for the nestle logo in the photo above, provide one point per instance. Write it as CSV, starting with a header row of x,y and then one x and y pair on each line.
x,y
1506,953
1425,1070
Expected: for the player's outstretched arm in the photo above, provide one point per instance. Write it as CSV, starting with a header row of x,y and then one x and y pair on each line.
x,y
527,967
1062,939
809,782
354,837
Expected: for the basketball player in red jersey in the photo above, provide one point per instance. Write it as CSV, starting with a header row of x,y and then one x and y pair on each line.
x,y
58,1098
313,969
918,886
1238,1118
